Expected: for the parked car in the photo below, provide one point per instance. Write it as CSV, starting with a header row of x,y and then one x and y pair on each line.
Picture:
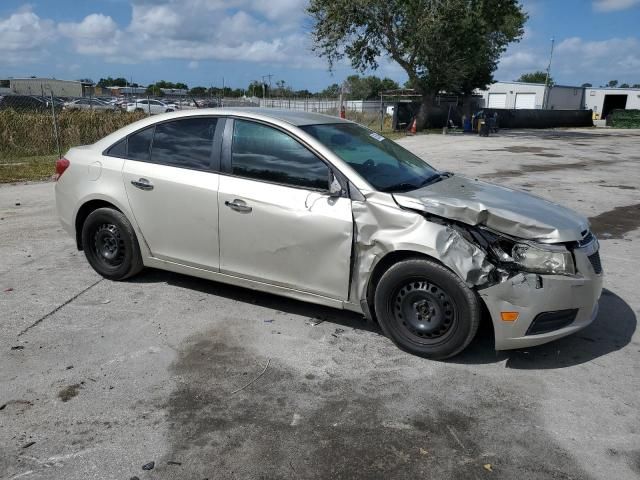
x,y
88,104
25,103
150,106
324,210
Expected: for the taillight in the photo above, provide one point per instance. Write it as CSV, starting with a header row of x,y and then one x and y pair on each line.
x,y
61,165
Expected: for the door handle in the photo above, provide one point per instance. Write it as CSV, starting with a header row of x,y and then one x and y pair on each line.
x,y
142,184
238,206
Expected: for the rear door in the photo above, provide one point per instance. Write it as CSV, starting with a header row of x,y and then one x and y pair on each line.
x,y
278,223
171,181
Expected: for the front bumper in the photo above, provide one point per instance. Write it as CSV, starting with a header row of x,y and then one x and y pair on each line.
x,y
530,294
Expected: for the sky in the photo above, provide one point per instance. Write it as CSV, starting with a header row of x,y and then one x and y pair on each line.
x,y
206,42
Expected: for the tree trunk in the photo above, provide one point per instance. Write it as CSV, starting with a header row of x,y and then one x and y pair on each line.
x,y
422,119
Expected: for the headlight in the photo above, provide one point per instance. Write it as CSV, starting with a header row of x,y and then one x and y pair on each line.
x,y
543,258
530,256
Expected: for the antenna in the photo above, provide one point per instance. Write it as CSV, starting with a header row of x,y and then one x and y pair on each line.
x,y
546,80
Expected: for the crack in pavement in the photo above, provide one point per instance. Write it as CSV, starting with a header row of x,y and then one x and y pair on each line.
x,y
59,307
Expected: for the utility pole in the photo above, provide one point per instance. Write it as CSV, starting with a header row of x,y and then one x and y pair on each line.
x,y
269,75
546,80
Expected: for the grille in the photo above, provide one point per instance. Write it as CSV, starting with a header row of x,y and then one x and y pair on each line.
x,y
595,262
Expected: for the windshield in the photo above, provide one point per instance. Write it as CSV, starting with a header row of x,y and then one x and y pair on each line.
x,y
383,163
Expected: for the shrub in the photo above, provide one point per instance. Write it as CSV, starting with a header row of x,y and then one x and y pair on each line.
x,y
25,134
624,119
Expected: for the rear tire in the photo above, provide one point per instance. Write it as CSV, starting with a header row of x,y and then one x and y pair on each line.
x,y
426,309
110,244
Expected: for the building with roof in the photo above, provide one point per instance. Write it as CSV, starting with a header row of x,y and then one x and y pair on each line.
x,y
520,95
604,100
48,86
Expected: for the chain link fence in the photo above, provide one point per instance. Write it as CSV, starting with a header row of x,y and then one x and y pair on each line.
x,y
35,130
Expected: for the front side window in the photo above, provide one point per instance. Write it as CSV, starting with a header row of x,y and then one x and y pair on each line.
x,y
185,143
139,145
264,153
383,163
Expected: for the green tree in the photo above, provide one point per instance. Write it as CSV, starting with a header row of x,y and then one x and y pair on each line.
x,y
636,85
368,88
198,91
612,83
112,82
587,85
154,90
451,45
624,85
332,90
255,89
535,77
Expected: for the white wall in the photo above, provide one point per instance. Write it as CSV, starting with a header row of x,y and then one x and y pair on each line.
x,y
511,89
594,97
565,98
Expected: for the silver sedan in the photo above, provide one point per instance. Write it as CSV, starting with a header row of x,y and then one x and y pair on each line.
x,y
324,210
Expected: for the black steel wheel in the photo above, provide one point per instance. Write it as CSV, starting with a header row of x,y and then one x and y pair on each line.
x,y
110,244
426,309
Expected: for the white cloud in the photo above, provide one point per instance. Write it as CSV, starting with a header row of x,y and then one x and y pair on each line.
x,y
96,34
616,56
23,36
194,30
613,5
193,65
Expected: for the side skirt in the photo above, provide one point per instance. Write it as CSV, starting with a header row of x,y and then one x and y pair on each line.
x,y
252,284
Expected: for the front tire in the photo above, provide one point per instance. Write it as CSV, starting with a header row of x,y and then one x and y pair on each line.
x,y
426,309
110,244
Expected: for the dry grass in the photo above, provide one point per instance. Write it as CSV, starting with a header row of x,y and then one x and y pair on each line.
x,y
29,134
28,146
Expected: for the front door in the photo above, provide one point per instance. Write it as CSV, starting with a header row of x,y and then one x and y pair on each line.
x,y
278,223
172,187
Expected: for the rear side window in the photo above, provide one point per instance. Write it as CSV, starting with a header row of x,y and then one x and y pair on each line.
x,y
119,149
185,143
139,145
264,153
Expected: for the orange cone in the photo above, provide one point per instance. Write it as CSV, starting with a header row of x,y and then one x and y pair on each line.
x,y
414,127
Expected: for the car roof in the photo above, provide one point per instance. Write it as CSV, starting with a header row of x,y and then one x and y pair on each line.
x,y
290,117
294,117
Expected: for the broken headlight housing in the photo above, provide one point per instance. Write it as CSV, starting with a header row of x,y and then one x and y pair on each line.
x,y
530,256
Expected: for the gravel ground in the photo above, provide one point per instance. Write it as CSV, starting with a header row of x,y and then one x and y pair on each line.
x,y
99,378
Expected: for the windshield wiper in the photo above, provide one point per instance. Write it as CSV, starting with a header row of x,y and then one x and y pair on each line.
x,y
435,178
403,186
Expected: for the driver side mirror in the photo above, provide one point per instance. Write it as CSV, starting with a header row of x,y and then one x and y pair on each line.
x,y
335,189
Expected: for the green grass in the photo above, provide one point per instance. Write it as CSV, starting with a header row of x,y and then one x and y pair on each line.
x,y
21,169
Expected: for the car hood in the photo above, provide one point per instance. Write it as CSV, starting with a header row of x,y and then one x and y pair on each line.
x,y
502,209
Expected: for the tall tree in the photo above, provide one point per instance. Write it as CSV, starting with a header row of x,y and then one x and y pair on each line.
x,y
198,91
535,77
443,45
368,88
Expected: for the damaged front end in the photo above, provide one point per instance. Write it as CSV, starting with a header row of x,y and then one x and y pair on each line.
x,y
548,289
382,229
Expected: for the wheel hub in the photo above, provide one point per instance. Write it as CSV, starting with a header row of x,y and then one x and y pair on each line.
x,y
108,244
424,309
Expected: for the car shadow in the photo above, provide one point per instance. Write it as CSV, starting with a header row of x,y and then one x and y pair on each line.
x,y
318,313
612,330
